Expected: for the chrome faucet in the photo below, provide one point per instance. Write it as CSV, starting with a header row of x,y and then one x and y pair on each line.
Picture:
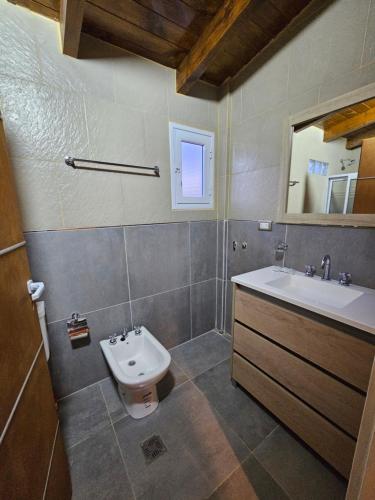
x,y
124,334
326,266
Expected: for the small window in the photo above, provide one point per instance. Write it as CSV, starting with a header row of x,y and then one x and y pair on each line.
x,y
192,167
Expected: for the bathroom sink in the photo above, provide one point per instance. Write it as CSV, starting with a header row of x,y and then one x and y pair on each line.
x,y
353,305
316,290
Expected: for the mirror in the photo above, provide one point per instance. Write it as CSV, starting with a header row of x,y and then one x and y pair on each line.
x,y
331,167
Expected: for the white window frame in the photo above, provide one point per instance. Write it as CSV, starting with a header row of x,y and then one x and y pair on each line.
x,y
182,133
349,177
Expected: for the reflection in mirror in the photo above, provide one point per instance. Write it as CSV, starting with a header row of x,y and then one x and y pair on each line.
x,y
332,167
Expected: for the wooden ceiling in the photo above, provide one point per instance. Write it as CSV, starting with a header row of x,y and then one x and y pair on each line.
x,y
210,40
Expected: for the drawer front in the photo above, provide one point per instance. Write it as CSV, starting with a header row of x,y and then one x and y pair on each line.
x,y
341,354
327,440
338,402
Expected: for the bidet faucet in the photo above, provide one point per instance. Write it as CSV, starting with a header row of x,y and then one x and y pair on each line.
x,y
326,266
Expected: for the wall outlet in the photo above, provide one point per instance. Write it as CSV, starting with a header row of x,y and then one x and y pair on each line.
x,y
264,225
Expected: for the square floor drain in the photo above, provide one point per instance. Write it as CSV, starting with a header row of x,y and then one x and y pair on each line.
x,y
153,448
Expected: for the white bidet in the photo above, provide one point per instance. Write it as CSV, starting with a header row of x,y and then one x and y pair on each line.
x,y
138,362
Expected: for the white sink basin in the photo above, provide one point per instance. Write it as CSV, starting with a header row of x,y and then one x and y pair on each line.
x,y
316,290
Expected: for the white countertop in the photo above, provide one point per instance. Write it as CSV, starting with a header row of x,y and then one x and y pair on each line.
x,y
360,312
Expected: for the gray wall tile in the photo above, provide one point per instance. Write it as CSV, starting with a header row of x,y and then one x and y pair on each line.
x,y
203,241
221,248
203,307
158,258
83,270
351,250
260,251
166,315
73,368
219,304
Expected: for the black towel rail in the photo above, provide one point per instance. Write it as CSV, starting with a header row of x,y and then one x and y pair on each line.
x,y
69,160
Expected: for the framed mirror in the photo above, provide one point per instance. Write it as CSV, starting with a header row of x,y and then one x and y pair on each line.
x,y
329,162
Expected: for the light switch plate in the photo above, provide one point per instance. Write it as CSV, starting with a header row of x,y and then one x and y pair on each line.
x,y
265,225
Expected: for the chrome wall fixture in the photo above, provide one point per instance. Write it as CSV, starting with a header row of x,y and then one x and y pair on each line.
x,y
71,162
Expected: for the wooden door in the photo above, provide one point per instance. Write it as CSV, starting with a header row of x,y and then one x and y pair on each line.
x,y
364,201
29,426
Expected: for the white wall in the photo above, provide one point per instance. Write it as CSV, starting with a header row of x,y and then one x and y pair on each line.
x,y
113,108
333,54
309,195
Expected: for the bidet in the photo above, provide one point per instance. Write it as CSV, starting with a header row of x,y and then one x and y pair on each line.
x,y
138,362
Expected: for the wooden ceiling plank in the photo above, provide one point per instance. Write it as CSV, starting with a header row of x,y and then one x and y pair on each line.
x,y
46,9
117,31
71,19
209,6
202,53
148,20
179,13
350,125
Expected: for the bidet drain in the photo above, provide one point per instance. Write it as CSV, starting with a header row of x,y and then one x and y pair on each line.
x,y
152,448
131,363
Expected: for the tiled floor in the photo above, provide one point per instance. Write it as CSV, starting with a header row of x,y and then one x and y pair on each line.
x,y
220,443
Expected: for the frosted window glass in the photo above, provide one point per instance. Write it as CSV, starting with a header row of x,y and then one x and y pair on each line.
x,y
192,169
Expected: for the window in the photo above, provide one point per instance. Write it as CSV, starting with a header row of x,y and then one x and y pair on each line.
x,y
192,167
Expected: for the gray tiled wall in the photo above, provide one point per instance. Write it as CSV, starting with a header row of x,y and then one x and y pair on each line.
x,y
161,275
351,249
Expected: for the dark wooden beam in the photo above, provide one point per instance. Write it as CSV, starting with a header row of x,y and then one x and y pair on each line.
x,y
349,126
355,141
71,19
204,50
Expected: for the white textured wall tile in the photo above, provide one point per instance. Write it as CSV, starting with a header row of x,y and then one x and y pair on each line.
x,y
116,132
18,49
42,122
256,142
88,76
38,186
255,195
141,84
193,111
268,87
91,199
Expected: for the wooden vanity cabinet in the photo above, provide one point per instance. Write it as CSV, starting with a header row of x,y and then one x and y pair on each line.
x,y
311,373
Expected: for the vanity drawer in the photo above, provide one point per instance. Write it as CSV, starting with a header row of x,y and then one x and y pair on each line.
x,y
330,442
345,356
333,399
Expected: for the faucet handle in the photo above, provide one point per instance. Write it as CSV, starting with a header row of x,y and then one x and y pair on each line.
x,y
310,270
345,279
137,329
112,339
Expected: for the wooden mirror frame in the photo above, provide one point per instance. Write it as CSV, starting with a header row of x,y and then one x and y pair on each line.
x,y
314,113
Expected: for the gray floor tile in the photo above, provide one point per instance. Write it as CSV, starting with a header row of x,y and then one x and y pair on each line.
x,y
249,482
201,449
299,471
115,406
202,353
82,414
242,413
172,379
97,469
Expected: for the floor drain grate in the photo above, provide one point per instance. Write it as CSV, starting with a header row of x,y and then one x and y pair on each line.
x,y
152,448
